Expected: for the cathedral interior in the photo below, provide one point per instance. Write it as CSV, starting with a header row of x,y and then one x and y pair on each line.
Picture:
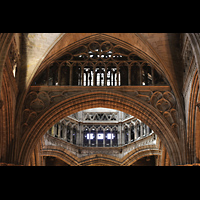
x,y
99,99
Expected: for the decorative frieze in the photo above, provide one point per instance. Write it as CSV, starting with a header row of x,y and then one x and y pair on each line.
x,y
38,102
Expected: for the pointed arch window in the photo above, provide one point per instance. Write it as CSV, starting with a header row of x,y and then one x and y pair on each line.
x,y
123,72
85,137
100,63
107,137
65,74
126,135
93,137
74,135
68,133
53,74
114,137
146,74
112,74
100,74
76,74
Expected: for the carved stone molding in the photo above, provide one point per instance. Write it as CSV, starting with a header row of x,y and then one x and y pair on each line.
x,y
1,104
9,164
198,105
38,102
191,165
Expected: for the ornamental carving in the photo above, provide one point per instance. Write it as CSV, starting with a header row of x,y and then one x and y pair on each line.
x,y
166,104
100,63
38,102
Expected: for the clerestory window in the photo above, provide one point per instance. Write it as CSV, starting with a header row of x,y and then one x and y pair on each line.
x,y
100,130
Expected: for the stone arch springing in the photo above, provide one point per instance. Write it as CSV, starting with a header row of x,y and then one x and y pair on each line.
x,y
132,106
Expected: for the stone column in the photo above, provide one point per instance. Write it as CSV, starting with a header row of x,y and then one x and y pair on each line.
x,y
96,138
64,132
94,76
129,75
81,134
71,135
59,127
78,134
105,76
89,139
141,129
111,140
104,139
52,131
148,131
55,130
152,74
122,136
118,81
135,132
145,130
129,135
119,134
82,76
70,76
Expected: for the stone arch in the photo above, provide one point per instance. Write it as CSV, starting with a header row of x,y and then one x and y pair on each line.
x,y
5,41
62,154
100,159
193,131
193,38
69,41
145,112
139,153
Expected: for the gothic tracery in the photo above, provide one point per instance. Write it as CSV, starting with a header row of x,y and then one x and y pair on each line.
x,y
46,79
100,130
100,63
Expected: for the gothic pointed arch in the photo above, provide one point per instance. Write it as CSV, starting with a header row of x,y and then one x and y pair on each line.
x,y
108,66
100,61
133,106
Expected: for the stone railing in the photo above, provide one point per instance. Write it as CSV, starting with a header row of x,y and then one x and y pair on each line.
x,y
51,142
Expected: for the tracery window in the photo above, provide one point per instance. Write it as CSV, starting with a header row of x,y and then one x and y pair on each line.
x,y
146,74
64,73
100,63
100,130
114,137
93,137
100,137
108,136
53,74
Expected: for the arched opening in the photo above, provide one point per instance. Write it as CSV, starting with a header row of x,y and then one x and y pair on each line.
x,y
100,127
64,73
140,90
53,161
146,113
145,161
